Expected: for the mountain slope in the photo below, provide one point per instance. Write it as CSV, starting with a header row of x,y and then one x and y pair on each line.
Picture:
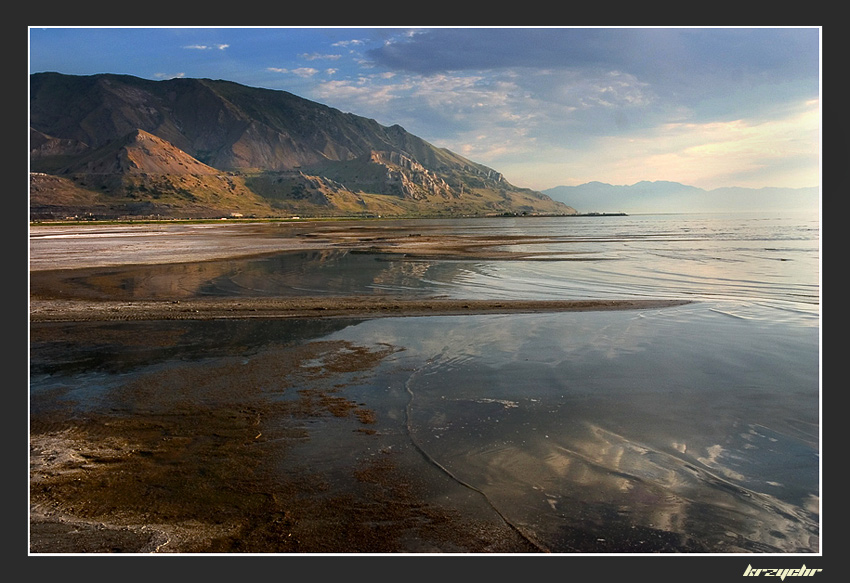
x,y
246,149
138,153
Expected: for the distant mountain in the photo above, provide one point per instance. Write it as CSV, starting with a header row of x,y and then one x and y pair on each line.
x,y
673,197
116,145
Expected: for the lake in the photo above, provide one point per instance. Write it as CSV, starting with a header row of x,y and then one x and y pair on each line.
x,y
686,429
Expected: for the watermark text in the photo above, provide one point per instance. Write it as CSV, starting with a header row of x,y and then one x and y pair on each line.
x,y
781,573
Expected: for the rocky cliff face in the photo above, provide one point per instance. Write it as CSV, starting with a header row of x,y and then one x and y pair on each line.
x,y
125,136
408,178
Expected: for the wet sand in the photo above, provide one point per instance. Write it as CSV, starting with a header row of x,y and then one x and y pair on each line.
x,y
219,457
189,473
324,307
208,463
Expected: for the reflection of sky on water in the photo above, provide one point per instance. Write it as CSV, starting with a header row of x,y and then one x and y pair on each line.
x,y
676,429
677,420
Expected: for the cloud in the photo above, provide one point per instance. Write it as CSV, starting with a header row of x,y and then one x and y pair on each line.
x,y
462,108
315,56
783,150
652,52
219,47
359,95
552,94
432,51
348,43
300,71
691,67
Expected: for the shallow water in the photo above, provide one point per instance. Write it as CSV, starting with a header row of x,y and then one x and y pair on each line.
x,y
743,258
687,429
623,425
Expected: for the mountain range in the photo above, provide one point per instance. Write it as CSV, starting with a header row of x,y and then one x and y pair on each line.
x,y
673,197
117,146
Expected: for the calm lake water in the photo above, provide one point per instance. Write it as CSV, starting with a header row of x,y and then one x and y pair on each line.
x,y
687,429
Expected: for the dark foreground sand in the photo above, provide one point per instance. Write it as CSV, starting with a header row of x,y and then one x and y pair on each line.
x,y
191,475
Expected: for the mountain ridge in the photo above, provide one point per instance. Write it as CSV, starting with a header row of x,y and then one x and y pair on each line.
x,y
202,147
667,196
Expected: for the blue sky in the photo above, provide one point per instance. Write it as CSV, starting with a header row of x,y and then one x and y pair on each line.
x,y
546,106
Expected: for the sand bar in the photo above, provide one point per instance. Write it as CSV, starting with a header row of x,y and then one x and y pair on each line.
x,y
208,309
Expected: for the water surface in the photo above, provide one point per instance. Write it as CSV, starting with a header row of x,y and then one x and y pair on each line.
x,y
686,429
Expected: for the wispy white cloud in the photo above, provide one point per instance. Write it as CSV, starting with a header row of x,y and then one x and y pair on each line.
x,y
349,43
315,56
358,95
484,115
219,47
300,71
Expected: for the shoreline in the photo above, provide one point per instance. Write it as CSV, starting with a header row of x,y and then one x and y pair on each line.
x,y
51,310
70,247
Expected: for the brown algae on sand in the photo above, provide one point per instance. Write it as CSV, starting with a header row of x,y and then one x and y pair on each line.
x,y
199,458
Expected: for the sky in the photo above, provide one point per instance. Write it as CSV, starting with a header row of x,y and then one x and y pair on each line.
x,y
709,107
